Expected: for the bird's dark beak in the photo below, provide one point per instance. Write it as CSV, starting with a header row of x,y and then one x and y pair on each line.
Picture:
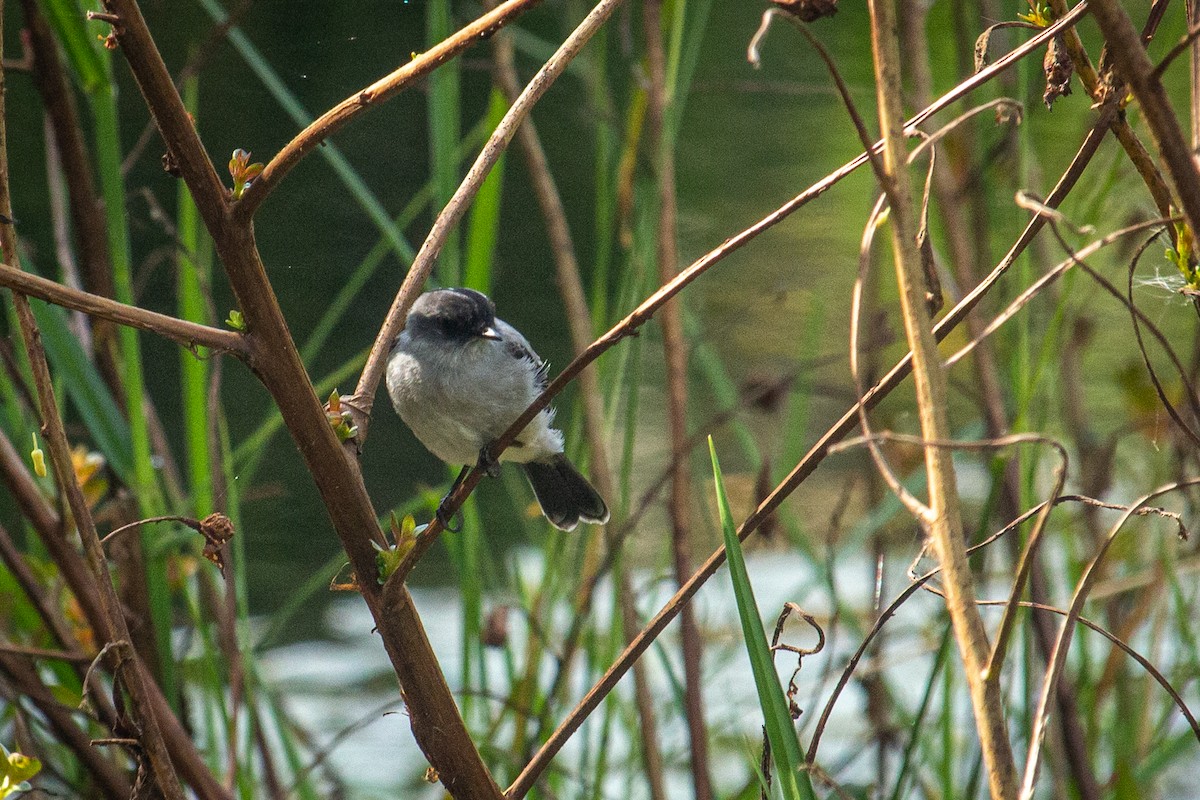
x,y
489,333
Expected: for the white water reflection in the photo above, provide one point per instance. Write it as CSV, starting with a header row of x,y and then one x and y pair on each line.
x,y
330,685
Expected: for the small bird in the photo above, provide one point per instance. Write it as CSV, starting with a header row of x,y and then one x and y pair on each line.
x,y
458,377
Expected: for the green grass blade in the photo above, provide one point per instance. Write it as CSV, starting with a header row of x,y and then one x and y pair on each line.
x,y
67,20
781,733
112,186
358,188
145,483
445,121
193,271
86,389
484,229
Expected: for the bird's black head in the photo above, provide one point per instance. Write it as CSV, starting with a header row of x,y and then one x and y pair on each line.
x,y
457,315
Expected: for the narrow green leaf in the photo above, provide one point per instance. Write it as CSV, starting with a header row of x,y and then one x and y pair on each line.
x,y
353,181
194,270
86,390
484,227
444,103
78,40
781,733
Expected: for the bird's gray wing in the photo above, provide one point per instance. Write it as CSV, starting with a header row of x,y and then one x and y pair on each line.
x,y
519,348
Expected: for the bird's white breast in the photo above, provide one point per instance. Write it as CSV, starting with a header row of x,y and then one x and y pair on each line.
x,y
456,400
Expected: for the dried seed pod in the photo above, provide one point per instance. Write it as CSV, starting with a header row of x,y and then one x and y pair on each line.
x,y
1059,69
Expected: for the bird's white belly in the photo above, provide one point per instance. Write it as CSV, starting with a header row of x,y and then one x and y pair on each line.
x,y
459,407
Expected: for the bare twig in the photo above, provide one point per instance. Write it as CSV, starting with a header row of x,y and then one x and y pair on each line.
x,y
187,334
1129,53
1051,275
944,515
920,582
1066,632
362,101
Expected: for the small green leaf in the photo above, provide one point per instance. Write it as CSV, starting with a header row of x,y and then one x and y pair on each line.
x,y
38,457
1038,15
388,559
15,770
242,171
236,320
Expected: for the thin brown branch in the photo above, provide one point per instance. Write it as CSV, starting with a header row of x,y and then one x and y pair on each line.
x,y
1128,650
167,109
188,334
41,653
1129,54
114,628
418,273
919,583
1051,275
436,722
362,101
435,717
1057,661
1099,90
71,566
1183,45
650,306
817,452
579,319
945,515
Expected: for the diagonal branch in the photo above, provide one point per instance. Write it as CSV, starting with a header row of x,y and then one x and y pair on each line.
x,y
436,722
1135,68
382,90
651,305
422,265
807,465
183,332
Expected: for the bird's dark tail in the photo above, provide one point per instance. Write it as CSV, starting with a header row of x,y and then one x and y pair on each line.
x,y
565,496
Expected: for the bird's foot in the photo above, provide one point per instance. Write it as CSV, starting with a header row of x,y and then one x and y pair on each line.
x,y
487,464
449,522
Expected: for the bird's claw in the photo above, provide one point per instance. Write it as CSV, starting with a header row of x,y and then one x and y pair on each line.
x,y
450,522
487,464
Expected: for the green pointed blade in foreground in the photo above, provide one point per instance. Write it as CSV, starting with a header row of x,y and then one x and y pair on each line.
x,y
785,747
